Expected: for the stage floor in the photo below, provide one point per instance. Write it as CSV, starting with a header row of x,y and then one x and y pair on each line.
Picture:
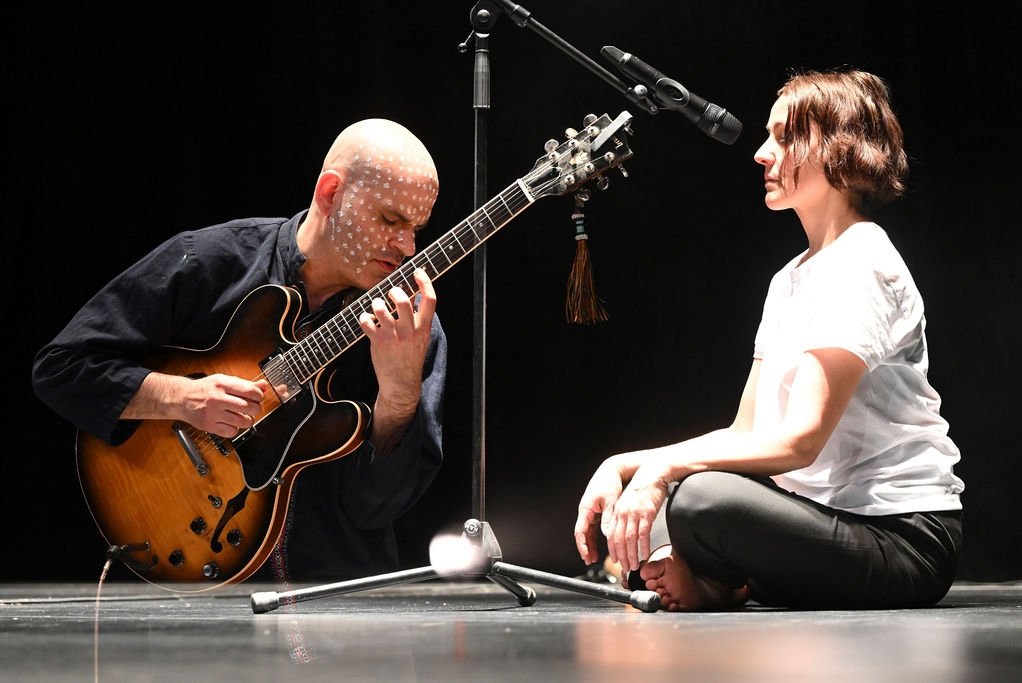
x,y
475,630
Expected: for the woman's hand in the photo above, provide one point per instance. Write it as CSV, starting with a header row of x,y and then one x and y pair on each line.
x,y
628,526
603,490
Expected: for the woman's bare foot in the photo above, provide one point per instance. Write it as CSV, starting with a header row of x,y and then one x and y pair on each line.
x,y
681,590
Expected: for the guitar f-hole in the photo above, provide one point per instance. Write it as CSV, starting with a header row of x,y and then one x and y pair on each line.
x,y
234,506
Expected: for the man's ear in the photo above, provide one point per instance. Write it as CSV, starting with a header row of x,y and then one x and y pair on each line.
x,y
330,183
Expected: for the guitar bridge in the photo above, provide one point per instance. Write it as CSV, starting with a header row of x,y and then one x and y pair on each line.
x,y
218,442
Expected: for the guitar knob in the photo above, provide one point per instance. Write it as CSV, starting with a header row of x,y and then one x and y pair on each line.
x,y
210,570
176,558
234,537
198,525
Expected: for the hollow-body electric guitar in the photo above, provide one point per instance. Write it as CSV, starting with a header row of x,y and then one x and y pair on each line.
x,y
190,511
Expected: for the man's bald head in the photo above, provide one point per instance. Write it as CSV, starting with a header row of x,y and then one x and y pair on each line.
x,y
378,141
384,156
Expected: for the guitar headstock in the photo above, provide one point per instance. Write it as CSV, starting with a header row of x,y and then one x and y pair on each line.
x,y
602,144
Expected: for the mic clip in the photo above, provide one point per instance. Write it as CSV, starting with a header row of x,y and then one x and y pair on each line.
x,y
638,94
667,94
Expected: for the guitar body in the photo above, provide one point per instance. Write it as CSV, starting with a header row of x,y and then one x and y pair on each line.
x,y
191,511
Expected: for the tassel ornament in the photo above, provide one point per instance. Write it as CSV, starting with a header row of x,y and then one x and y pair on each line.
x,y
582,306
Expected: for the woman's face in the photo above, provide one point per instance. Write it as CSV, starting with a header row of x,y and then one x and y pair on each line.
x,y
779,180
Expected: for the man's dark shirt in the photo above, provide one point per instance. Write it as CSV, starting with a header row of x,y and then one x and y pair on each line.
x,y
184,294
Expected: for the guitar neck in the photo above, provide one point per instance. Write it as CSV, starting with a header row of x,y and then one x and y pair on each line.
x,y
335,336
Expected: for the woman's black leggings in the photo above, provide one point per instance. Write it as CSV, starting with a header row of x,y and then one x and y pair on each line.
x,y
794,552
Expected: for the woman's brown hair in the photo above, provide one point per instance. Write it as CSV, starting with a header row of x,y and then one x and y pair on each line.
x,y
858,134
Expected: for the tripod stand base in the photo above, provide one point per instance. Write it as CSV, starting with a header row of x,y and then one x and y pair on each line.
x,y
486,560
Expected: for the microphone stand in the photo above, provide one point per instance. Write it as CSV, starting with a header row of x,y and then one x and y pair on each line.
x,y
476,532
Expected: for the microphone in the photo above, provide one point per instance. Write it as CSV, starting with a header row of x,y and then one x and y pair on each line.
x,y
669,94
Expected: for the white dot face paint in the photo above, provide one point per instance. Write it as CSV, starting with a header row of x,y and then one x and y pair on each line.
x,y
387,194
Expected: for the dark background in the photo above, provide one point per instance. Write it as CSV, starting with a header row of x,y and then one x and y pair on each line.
x,y
131,122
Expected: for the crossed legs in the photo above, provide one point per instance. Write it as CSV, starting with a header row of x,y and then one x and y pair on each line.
x,y
732,538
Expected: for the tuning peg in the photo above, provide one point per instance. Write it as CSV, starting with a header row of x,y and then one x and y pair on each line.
x,y
602,183
590,119
624,171
570,133
550,145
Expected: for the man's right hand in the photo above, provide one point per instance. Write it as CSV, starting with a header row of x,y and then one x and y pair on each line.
x,y
219,404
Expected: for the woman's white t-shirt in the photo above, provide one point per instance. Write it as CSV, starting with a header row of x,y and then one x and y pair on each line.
x,y
890,452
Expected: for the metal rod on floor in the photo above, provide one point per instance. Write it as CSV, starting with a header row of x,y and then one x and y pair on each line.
x,y
265,601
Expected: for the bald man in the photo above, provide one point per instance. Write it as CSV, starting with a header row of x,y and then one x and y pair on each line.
x,y
375,191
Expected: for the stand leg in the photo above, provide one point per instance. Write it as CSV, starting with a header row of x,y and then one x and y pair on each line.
x,y
526,596
266,601
647,601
